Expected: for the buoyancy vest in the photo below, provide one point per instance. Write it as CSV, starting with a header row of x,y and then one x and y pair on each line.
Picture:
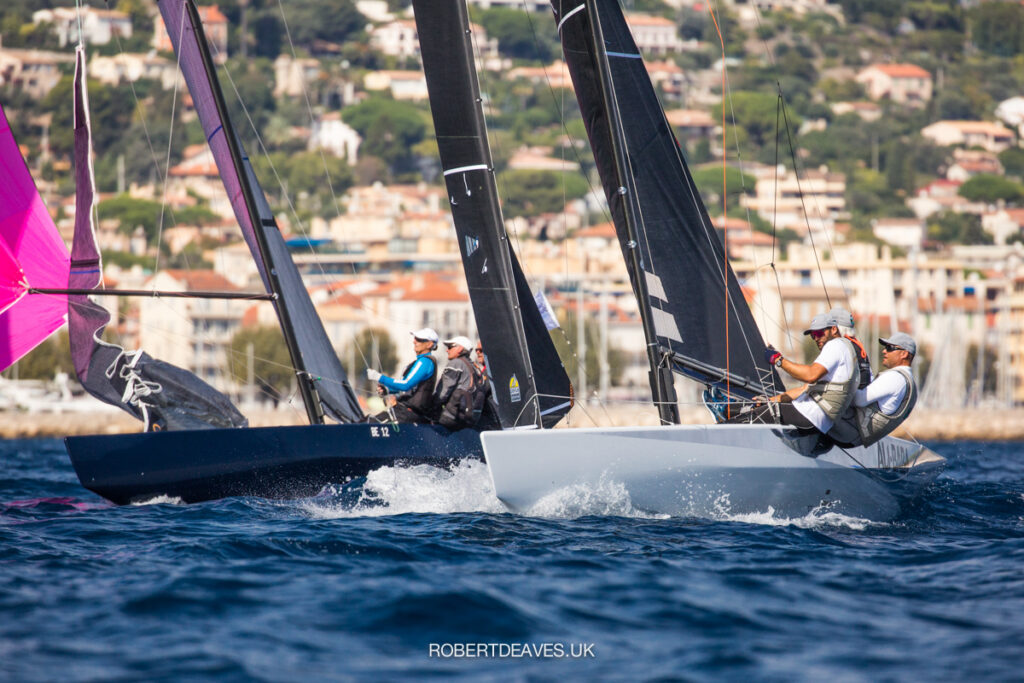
x,y
863,364
873,424
834,398
421,397
465,404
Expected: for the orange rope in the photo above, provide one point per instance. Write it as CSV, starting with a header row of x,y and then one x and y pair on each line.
x,y
725,218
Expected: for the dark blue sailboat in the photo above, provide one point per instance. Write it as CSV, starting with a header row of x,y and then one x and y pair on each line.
x,y
207,461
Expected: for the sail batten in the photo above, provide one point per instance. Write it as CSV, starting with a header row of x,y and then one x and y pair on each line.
x,y
686,287
321,376
530,384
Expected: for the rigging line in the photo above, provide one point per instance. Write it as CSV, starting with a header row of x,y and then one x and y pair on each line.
x,y
162,174
327,174
775,216
803,205
757,268
725,218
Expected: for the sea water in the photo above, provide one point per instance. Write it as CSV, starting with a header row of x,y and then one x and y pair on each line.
x,y
421,573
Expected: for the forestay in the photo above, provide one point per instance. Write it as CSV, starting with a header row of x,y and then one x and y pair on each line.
x,y
316,362
683,271
521,357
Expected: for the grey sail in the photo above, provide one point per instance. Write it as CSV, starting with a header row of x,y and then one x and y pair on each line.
x,y
322,379
697,314
163,396
531,385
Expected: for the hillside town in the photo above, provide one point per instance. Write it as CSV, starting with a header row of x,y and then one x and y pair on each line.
x,y
846,157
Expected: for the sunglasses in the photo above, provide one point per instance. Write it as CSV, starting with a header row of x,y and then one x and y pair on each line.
x,y
479,350
889,347
817,334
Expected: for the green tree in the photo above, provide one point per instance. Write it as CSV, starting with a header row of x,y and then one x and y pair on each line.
x,y
272,366
997,28
110,110
531,193
1012,160
390,129
709,182
332,21
991,188
756,114
957,228
517,32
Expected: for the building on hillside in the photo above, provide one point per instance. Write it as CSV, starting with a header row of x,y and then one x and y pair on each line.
x,y
215,26
903,83
691,123
198,173
397,38
907,233
868,278
654,36
293,76
194,334
968,163
539,159
867,111
1003,224
337,137
942,195
555,74
984,134
669,77
403,85
134,67
34,72
1012,331
812,202
98,26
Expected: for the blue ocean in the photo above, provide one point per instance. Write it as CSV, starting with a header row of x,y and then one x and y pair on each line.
x,y
420,573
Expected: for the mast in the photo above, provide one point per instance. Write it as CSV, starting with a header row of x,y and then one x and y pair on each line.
x,y
314,410
514,336
663,389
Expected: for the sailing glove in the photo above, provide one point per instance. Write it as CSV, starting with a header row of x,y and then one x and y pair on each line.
x,y
772,355
372,375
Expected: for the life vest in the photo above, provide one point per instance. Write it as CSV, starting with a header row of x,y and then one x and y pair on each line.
x,y
873,424
421,397
834,398
465,405
863,364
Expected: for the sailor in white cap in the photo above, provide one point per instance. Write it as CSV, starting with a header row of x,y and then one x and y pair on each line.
x,y
886,403
411,397
460,393
831,380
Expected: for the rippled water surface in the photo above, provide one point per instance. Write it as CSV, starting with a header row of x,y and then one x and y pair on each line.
x,y
377,579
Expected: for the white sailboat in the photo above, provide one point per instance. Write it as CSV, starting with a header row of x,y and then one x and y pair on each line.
x,y
696,324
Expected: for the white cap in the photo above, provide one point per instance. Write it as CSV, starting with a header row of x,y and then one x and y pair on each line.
x,y
464,342
425,334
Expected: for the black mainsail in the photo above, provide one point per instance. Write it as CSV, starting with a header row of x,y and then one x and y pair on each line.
x,y
675,259
322,379
530,383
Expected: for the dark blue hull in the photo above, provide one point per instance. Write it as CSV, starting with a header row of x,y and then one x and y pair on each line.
x,y
267,462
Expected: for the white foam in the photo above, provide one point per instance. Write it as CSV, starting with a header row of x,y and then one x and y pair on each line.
x,y
820,516
160,500
607,498
423,489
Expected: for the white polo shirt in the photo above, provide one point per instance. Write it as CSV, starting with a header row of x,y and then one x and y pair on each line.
x,y
887,390
839,366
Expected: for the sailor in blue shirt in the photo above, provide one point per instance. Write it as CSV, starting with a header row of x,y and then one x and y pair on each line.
x,y
410,399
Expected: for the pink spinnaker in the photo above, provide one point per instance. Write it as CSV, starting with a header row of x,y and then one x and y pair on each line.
x,y
35,256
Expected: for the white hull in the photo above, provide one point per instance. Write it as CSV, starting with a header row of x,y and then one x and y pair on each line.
x,y
704,471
